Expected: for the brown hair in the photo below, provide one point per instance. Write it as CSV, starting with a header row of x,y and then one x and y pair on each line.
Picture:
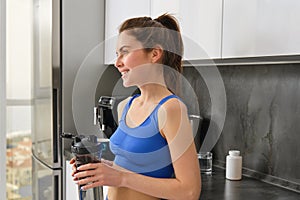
x,y
163,31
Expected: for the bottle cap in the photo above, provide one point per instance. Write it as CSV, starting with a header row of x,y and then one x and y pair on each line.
x,y
234,152
86,144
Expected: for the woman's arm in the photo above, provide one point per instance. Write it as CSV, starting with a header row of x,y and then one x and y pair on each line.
x,y
176,129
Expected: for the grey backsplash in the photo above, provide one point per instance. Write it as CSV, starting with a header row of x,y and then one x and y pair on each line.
x,y
262,118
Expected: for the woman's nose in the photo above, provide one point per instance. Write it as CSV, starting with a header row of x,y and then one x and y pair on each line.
x,y
118,62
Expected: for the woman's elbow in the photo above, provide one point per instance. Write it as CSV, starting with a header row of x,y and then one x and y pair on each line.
x,y
193,194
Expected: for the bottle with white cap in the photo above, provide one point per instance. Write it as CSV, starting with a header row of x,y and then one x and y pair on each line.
x,y
234,165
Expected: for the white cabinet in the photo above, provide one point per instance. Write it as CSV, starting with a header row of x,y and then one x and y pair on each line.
x,y
217,28
116,12
200,22
261,28
159,7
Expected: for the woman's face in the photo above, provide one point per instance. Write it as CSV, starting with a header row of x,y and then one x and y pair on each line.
x,y
133,62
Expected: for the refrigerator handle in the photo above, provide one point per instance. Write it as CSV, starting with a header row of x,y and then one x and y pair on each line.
x,y
56,137
57,186
56,81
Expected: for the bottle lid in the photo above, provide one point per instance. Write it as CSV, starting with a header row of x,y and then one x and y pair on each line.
x,y
234,152
86,144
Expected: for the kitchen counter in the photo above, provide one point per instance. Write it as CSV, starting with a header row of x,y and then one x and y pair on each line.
x,y
217,187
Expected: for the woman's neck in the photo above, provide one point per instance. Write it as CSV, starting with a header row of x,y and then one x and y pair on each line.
x,y
153,92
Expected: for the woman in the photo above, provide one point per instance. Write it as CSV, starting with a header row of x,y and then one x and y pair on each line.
x,y
155,157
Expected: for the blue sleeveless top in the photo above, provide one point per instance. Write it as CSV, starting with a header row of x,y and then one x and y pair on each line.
x,y
142,149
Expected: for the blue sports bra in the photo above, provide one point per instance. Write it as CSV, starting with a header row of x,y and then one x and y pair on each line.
x,y
142,149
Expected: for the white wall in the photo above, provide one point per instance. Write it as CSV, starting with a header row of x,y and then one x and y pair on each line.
x,y
19,60
19,49
2,99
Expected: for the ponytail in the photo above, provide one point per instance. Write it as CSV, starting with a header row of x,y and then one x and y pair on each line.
x,y
168,21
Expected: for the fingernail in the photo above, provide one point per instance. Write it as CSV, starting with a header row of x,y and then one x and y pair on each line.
x,y
82,189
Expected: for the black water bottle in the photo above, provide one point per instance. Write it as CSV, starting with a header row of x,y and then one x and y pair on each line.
x,y
86,150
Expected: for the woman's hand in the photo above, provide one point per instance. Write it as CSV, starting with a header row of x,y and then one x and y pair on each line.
x,y
74,167
96,174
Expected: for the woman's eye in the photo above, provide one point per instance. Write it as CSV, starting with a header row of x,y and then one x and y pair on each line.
x,y
124,52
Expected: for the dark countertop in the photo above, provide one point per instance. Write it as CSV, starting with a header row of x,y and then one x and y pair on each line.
x,y
217,187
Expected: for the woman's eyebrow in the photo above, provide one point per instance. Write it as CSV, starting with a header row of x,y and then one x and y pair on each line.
x,y
123,47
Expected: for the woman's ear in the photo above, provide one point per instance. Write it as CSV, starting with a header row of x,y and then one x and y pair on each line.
x,y
157,53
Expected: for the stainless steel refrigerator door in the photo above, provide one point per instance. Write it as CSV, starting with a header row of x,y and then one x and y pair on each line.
x,y
46,143
46,182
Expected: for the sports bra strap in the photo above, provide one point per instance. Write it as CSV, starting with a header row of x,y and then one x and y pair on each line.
x,y
128,104
132,98
167,98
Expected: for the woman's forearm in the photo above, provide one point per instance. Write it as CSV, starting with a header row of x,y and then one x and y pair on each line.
x,y
166,188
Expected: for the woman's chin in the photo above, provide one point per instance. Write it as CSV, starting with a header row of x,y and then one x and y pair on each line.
x,y
127,84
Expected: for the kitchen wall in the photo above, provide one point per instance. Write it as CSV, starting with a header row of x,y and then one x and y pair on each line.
x,y
262,118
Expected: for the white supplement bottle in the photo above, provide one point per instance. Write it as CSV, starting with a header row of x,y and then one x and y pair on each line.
x,y
234,165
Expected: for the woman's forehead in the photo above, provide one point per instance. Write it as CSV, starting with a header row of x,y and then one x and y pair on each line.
x,y
125,39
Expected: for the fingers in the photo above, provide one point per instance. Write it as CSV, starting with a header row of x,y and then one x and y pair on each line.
x,y
83,174
89,174
88,179
94,174
72,161
88,166
107,162
92,185
88,170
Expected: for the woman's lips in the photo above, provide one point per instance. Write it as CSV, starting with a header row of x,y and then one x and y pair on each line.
x,y
124,73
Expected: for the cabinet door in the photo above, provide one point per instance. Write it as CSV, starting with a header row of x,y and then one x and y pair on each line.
x,y
201,24
116,12
261,28
159,7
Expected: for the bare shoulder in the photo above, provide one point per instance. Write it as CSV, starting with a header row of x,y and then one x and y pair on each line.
x,y
171,114
121,106
173,106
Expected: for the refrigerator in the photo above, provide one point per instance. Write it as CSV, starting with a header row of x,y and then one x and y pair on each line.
x,y
68,56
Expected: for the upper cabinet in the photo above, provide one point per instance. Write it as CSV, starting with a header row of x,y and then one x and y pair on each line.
x,y
261,28
214,29
201,25
200,22
116,12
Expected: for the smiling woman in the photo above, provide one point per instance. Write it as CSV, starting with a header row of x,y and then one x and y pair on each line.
x,y
155,154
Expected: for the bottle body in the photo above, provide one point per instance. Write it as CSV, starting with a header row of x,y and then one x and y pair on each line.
x,y
234,165
86,149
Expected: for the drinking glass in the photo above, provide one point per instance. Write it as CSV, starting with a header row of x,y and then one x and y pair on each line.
x,y
205,161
